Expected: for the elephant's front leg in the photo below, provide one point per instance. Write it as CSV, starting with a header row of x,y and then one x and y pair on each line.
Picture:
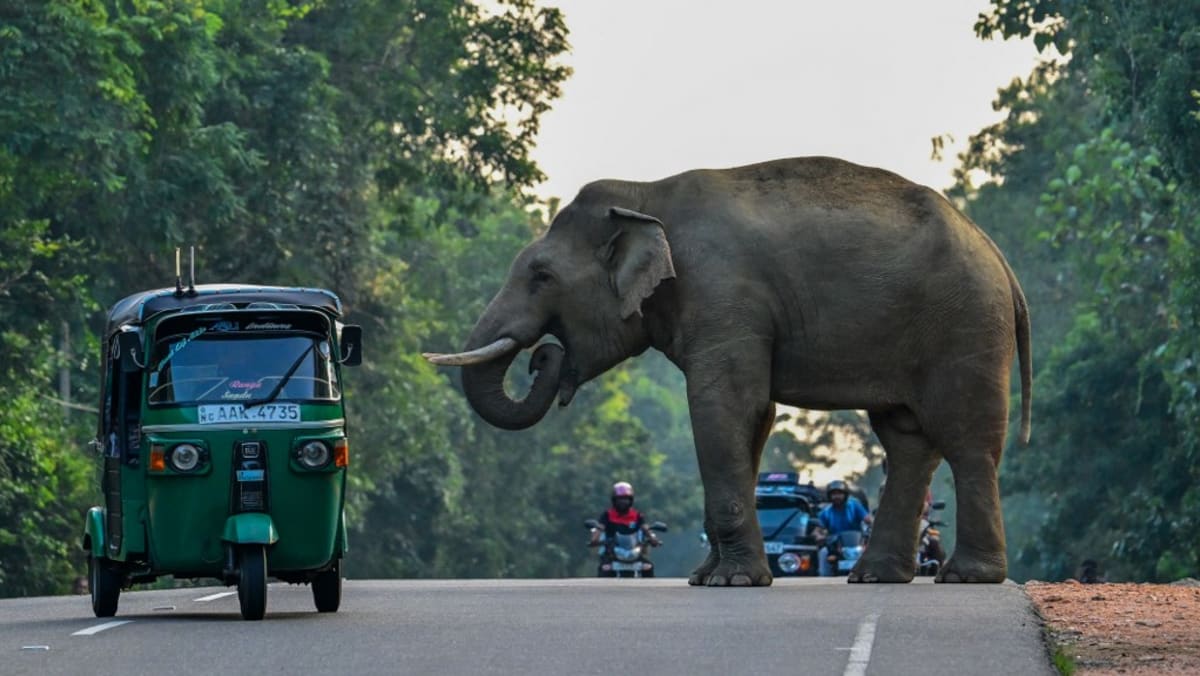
x,y
700,574
730,423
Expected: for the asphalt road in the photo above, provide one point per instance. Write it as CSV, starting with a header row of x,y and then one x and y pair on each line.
x,y
574,626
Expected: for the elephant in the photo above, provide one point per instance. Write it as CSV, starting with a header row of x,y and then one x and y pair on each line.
x,y
811,282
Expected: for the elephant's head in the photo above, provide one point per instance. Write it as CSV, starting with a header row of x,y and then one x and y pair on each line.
x,y
583,282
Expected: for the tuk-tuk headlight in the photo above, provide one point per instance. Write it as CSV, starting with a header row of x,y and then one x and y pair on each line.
x,y
184,458
313,455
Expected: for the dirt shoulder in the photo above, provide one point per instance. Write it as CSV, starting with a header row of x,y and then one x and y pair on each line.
x,y
1123,628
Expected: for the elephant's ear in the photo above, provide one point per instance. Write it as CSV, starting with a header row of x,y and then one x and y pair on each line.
x,y
638,258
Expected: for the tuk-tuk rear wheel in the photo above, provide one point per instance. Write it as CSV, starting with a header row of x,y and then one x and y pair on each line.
x,y
252,581
105,586
327,589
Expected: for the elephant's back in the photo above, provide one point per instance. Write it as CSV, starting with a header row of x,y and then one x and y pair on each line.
x,y
807,235
820,208
806,192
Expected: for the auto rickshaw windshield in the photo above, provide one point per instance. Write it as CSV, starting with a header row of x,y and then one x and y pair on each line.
x,y
210,368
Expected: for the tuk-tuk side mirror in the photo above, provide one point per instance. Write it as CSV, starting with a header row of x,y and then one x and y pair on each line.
x,y
131,354
351,345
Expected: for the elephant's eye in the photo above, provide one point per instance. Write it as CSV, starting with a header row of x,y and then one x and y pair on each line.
x,y
540,276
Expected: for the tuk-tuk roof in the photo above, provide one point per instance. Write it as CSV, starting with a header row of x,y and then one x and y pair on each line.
x,y
141,306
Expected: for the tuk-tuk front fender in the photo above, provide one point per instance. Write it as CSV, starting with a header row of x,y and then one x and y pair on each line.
x,y
93,532
250,528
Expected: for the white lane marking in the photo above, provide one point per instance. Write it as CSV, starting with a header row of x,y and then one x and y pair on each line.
x,y
100,627
860,652
213,597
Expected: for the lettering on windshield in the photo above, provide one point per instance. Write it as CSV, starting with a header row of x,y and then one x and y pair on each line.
x,y
173,350
259,326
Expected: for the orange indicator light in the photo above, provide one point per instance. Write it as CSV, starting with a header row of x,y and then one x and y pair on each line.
x,y
158,459
341,453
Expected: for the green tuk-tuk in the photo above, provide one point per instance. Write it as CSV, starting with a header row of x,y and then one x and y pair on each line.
x,y
224,440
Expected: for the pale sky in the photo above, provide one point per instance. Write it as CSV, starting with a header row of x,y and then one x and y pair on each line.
x,y
663,86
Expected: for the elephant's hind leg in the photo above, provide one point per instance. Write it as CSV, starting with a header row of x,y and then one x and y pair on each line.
x,y
974,443
892,552
979,554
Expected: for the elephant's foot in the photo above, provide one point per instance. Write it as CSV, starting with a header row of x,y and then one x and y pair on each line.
x,y
700,576
882,569
740,574
965,566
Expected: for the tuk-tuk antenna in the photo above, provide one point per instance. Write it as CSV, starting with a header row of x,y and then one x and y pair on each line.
x,y
192,280
178,276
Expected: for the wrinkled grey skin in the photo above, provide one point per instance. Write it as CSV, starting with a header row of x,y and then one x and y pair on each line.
x,y
810,282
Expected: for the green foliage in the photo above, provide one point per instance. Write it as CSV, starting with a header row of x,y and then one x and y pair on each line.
x,y
1063,662
377,148
321,143
1101,151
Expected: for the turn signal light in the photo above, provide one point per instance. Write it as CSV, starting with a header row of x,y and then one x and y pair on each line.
x,y
158,459
341,453
805,563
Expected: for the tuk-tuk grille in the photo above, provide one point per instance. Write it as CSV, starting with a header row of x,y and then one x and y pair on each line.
x,y
251,500
250,460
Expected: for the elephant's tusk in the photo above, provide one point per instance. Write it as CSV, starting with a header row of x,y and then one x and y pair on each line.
x,y
478,356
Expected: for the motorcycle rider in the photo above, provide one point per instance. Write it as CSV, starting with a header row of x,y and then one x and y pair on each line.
x,y
843,513
622,516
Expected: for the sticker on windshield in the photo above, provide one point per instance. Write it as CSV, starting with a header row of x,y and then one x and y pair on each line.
x,y
236,413
179,345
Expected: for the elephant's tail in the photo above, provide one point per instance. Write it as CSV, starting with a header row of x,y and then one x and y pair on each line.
x,y
1023,355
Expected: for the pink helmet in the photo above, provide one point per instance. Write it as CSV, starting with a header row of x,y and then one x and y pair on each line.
x,y
622,488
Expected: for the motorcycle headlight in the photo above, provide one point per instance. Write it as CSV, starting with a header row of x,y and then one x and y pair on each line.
x,y
789,563
313,455
184,458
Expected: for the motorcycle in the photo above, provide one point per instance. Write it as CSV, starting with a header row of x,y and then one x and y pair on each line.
x,y
930,554
846,548
625,555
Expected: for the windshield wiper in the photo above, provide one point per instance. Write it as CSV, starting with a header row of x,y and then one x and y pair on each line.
x,y
247,405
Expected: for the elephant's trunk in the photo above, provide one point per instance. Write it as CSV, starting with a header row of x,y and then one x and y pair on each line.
x,y
483,383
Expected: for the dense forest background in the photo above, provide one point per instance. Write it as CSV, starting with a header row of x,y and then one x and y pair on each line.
x,y
380,148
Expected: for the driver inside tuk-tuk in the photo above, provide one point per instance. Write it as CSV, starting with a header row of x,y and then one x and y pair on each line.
x,y
241,372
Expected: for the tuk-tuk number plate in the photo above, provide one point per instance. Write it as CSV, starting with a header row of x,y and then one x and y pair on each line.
x,y
773,547
236,413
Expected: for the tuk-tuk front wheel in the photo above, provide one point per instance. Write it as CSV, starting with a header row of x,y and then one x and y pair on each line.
x,y
327,588
105,586
252,581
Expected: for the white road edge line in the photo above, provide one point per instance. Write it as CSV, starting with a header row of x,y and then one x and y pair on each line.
x,y
213,597
860,652
100,627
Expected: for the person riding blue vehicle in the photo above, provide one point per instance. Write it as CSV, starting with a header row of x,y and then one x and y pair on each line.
x,y
843,513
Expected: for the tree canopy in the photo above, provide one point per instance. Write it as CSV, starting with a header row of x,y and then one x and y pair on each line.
x,y
1093,195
